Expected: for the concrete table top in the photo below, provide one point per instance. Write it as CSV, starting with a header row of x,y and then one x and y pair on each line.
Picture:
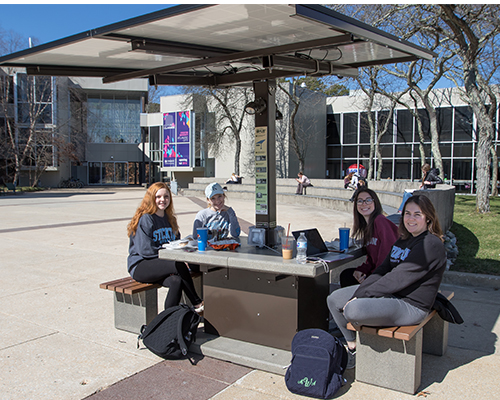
x,y
255,259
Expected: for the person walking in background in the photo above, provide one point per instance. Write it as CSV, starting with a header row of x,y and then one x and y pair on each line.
x,y
401,291
303,182
375,232
153,225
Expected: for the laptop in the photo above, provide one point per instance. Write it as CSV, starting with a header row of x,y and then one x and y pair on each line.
x,y
316,247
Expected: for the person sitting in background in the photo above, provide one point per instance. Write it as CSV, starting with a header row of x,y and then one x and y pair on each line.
x,y
234,179
430,178
375,232
303,183
402,289
347,180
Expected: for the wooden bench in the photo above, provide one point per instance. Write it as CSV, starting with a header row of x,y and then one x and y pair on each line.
x,y
9,186
136,303
391,357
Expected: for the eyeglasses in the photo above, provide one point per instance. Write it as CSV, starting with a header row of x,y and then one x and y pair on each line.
x,y
368,201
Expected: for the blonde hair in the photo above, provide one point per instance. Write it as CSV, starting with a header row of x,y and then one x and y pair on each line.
x,y
148,206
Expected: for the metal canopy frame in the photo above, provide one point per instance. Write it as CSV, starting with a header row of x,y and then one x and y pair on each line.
x,y
220,45
225,45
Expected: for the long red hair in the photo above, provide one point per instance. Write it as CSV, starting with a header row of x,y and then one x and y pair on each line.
x,y
148,206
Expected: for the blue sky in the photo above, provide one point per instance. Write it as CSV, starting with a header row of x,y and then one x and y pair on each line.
x,y
48,22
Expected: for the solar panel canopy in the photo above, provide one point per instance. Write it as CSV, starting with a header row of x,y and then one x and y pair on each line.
x,y
220,45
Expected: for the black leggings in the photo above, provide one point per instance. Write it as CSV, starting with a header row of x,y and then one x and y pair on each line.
x,y
172,274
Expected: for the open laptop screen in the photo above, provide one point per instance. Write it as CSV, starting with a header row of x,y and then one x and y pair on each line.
x,y
315,243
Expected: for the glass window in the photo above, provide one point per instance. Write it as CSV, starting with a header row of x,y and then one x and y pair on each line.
x,y
462,150
404,131
386,170
333,152
364,151
382,122
364,128
444,122
333,170
332,129
350,151
386,151
403,169
445,150
463,123
114,120
425,126
462,169
350,128
403,150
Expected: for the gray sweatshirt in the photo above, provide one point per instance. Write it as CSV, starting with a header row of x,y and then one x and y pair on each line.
x,y
225,223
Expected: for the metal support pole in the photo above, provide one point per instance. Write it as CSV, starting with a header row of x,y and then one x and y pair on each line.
x,y
265,160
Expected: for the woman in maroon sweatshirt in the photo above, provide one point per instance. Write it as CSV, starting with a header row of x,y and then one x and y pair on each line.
x,y
376,233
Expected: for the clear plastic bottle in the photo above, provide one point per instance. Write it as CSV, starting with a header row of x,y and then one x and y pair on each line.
x,y
302,248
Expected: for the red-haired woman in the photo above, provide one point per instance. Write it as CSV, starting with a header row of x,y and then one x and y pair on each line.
x,y
153,225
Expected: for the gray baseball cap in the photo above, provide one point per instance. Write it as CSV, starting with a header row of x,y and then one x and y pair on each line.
x,y
213,189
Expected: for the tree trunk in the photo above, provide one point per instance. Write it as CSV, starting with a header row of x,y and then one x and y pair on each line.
x,y
494,172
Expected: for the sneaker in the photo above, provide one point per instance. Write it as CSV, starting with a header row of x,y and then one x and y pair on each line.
x,y
200,308
351,358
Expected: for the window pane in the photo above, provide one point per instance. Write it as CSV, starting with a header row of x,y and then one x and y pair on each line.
x,y
444,116
333,152
350,151
333,128
404,126
403,169
350,128
463,123
445,150
462,150
424,120
403,150
382,122
364,129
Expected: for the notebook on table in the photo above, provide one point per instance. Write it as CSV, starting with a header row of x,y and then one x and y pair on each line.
x,y
316,247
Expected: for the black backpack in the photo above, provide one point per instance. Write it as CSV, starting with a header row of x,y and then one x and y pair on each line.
x,y
171,332
318,363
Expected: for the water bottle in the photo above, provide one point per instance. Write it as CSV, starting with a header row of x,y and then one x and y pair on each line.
x,y
302,248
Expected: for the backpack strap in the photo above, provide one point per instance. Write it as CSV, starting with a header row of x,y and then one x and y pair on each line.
x,y
180,337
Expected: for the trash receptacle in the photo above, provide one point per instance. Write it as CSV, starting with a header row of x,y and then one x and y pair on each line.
x,y
173,187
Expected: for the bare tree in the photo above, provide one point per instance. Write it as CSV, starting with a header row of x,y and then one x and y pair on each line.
x,y
228,106
471,28
301,130
29,142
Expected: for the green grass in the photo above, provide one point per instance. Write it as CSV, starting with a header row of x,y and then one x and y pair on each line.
x,y
478,236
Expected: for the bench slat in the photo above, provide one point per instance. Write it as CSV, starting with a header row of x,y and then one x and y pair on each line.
x,y
387,332
399,332
117,282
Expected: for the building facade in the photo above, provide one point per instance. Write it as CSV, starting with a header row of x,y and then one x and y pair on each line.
x,y
63,127
348,139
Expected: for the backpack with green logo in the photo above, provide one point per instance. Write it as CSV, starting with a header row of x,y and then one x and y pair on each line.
x,y
318,363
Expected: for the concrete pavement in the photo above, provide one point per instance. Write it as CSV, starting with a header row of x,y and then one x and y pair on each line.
x,y
57,330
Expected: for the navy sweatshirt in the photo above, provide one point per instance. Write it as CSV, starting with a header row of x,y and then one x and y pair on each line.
x,y
412,271
152,233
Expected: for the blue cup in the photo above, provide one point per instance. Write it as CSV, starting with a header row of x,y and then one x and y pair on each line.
x,y
202,238
344,238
